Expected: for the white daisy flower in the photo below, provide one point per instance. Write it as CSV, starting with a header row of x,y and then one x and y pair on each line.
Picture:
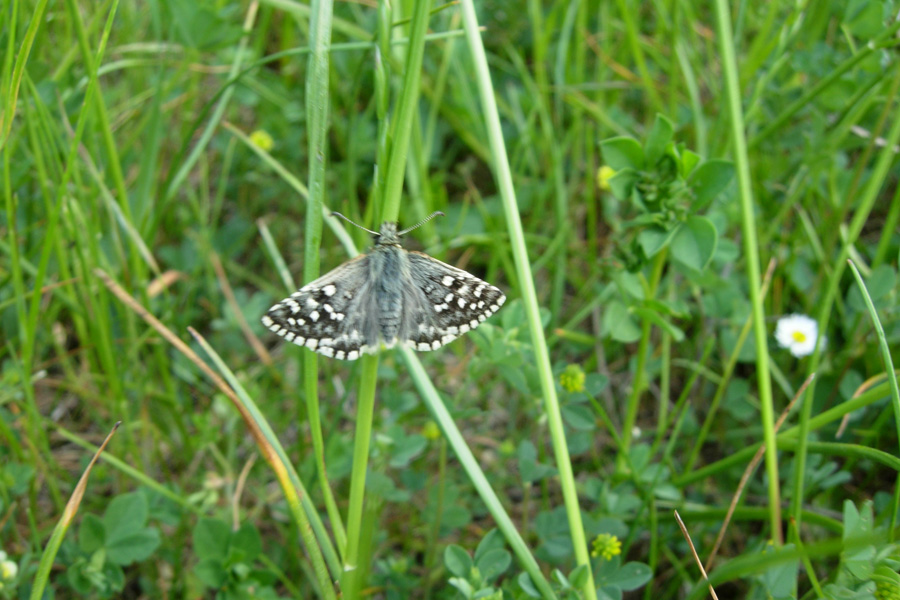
x,y
797,333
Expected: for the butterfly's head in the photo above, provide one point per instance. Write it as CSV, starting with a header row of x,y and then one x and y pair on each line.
x,y
388,235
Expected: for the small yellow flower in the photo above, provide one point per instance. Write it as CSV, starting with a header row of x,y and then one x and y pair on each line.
x,y
607,546
887,583
431,431
572,379
887,591
603,175
262,140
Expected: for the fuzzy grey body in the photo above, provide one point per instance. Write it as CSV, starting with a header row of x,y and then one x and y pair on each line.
x,y
383,297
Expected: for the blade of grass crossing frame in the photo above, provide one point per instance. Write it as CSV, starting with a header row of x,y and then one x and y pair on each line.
x,y
62,526
882,344
503,175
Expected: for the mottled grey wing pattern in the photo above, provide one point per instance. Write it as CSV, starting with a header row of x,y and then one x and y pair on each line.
x,y
442,302
384,297
331,315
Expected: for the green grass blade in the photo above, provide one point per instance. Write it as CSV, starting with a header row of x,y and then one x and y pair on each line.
x,y
526,282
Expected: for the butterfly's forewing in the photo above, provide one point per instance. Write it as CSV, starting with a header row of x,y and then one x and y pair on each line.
x,y
331,315
443,302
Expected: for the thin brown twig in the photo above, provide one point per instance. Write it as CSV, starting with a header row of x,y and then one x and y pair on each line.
x,y
238,490
251,337
864,387
261,442
751,466
690,542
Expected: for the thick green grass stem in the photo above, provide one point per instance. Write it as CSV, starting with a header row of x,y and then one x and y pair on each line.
x,y
317,99
407,104
350,583
866,203
751,258
389,205
503,175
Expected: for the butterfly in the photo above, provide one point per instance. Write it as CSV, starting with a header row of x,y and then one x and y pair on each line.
x,y
382,298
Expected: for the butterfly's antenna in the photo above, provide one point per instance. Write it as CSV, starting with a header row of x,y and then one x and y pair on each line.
x,y
337,214
436,213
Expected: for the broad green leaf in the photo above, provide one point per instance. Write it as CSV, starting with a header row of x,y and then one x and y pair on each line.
x,y
457,561
406,449
860,561
494,563
464,587
91,534
211,538
529,468
492,541
595,383
578,577
709,180
622,183
78,578
125,515
781,578
16,477
654,239
134,547
211,572
659,137
619,324
579,417
246,540
623,153
527,585
689,160
695,243
630,576
488,593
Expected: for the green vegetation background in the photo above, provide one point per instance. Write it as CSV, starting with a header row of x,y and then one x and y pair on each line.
x,y
679,171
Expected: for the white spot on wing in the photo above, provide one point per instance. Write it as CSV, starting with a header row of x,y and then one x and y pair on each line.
x,y
329,290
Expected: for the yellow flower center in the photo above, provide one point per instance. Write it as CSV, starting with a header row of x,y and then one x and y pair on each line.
x,y
798,336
